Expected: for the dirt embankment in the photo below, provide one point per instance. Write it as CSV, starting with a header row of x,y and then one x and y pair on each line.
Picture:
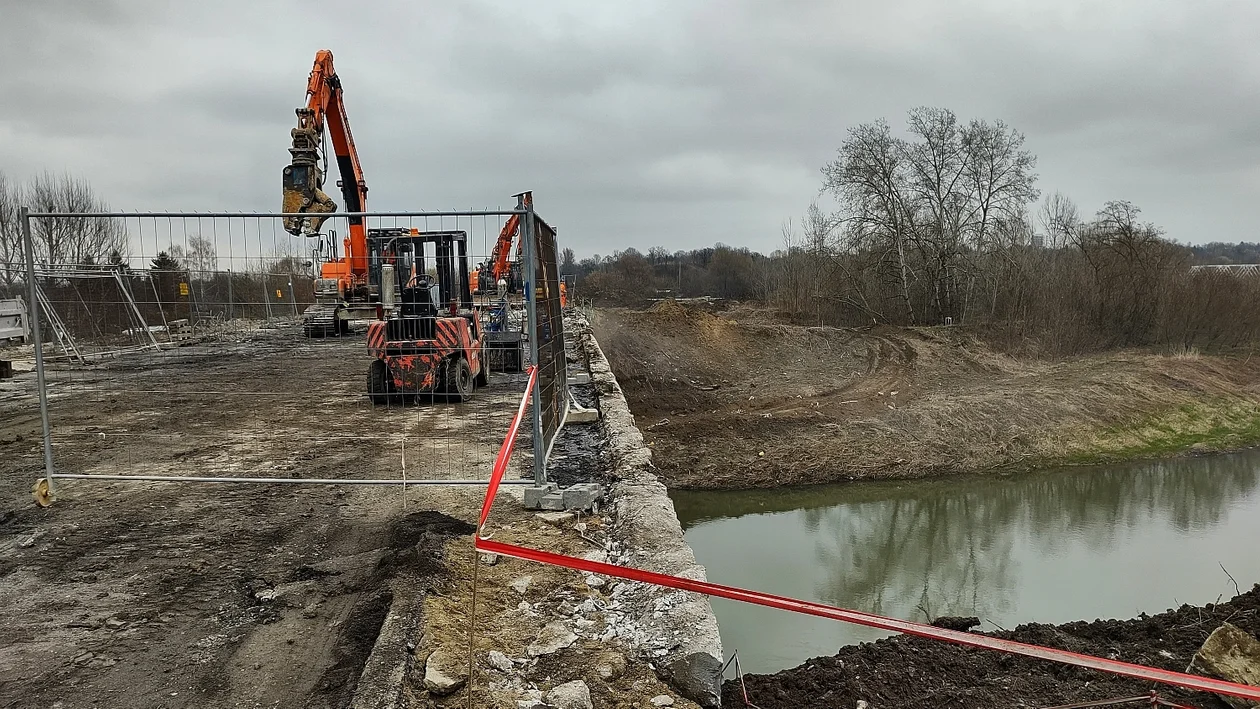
x,y
742,401
915,673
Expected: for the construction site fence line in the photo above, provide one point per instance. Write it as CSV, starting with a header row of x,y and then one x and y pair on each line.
x,y
67,385
286,215
844,615
278,481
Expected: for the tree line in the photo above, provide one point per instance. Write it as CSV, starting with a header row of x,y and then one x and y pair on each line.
x,y
943,223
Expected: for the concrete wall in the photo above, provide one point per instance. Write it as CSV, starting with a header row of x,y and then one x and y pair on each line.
x,y
675,630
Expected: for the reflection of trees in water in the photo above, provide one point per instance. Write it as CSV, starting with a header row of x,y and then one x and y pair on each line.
x,y
947,548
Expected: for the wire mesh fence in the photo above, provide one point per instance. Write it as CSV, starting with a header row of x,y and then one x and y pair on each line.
x,y
177,351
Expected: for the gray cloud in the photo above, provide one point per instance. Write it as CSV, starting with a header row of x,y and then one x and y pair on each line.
x,y
636,124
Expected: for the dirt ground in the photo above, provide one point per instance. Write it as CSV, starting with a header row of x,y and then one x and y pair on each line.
x,y
737,399
160,595
921,674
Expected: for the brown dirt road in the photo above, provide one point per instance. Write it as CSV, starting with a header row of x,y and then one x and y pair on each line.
x,y
738,400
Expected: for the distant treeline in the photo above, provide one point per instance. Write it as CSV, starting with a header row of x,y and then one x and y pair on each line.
x,y
936,226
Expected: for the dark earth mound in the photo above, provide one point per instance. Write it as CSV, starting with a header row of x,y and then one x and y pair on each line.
x,y
916,673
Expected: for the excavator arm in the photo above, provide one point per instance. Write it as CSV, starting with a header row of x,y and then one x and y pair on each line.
x,y
304,180
502,252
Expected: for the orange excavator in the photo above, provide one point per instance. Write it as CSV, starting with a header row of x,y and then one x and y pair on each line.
x,y
344,288
501,268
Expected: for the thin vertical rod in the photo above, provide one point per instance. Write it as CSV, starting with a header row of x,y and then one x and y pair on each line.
x,y
37,335
529,276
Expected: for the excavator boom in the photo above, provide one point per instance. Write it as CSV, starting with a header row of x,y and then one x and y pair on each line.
x,y
303,178
501,255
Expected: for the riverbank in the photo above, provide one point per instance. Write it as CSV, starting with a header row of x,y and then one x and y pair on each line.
x,y
915,673
739,400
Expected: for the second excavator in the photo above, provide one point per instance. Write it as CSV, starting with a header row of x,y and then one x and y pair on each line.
x,y
343,290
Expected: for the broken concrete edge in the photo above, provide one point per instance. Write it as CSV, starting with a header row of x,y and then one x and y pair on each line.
x,y
383,678
650,537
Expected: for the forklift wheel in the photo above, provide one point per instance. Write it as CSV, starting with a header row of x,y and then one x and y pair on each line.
x,y
379,386
459,380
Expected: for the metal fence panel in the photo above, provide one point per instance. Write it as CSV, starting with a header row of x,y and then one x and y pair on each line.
x,y
181,357
546,339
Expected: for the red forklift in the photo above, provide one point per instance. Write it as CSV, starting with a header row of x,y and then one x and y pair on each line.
x,y
427,340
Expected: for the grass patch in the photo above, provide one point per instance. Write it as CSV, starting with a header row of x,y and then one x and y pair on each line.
x,y
1216,425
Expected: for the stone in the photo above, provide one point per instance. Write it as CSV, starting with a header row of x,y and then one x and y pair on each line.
x,y
570,695
114,623
595,581
530,704
612,667
862,704
1231,654
662,700
489,559
556,518
499,661
597,556
553,637
521,585
444,672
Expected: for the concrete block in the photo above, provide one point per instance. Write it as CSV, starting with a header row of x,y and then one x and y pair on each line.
x,y
579,378
582,496
552,501
535,494
577,414
1231,654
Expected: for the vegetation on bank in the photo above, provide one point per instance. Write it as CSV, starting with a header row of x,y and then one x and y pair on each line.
x,y
1211,425
939,222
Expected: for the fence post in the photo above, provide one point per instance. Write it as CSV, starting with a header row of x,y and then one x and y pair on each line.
x,y
529,277
229,303
37,336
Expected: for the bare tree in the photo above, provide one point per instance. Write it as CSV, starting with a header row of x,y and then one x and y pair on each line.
x,y
12,253
868,178
1059,220
200,257
71,239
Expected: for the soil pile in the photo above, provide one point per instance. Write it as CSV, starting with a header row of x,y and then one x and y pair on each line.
x,y
728,402
916,673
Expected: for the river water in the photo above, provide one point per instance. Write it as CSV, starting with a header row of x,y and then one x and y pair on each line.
x,y
1076,544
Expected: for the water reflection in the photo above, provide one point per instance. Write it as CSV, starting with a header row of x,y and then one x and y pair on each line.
x,y
1054,546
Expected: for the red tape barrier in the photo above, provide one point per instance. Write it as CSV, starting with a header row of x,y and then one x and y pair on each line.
x,y
1153,674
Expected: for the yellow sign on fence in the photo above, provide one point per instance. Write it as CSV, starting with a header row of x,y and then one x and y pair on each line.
x,y
183,289
279,294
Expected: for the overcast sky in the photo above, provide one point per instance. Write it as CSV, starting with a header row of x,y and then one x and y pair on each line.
x,y
669,123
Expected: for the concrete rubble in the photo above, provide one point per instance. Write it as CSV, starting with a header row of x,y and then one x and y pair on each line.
x,y
570,695
445,671
675,630
555,636
1231,654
